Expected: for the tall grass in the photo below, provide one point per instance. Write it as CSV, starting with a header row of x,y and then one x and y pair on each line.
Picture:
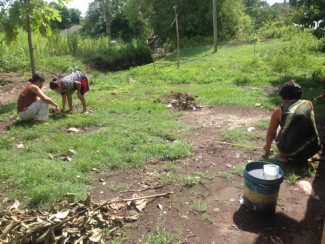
x,y
15,57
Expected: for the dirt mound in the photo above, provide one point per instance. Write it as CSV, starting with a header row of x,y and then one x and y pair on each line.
x,y
182,101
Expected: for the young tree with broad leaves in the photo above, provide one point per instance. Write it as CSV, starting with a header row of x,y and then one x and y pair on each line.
x,y
30,15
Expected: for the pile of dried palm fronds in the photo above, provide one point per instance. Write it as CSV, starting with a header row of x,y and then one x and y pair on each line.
x,y
78,222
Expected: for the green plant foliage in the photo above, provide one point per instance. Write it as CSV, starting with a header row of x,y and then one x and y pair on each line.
x,y
292,178
112,59
161,235
199,206
195,18
313,12
16,16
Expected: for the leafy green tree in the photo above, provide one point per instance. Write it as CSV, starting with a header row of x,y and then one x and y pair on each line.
x,y
75,16
313,14
102,12
194,17
94,23
120,28
137,19
232,19
65,21
28,15
69,16
259,10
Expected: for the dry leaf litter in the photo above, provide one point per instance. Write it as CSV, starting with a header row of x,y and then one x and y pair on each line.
x,y
78,222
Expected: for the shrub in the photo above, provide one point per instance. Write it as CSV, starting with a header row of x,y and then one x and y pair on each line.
x,y
321,45
115,59
277,30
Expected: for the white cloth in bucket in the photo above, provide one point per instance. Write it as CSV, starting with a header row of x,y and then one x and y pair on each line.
x,y
271,171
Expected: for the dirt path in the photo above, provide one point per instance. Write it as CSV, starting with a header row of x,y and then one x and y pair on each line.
x,y
298,217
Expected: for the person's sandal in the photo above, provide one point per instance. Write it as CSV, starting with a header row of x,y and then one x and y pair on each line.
x,y
275,158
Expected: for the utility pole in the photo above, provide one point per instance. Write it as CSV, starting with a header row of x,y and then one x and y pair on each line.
x,y
215,30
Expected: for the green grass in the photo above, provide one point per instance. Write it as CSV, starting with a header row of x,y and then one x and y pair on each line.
x,y
206,218
198,206
164,179
127,128
170,167
232,173
161,235
193,178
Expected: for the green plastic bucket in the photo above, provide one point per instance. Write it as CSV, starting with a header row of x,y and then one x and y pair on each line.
x,y
260,194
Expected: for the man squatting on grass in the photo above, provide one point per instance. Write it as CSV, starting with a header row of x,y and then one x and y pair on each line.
x,y
32,103
293,126
68,85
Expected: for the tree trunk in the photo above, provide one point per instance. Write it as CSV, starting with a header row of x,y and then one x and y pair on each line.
x,y
177,37
215,30
107,17
30,44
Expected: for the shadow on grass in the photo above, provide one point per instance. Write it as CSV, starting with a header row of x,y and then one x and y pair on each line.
x,y
27,124
187,53
6,108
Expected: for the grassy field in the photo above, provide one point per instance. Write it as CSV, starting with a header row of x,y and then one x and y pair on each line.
x,y
128,128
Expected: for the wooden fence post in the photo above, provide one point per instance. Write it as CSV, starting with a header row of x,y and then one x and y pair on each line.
x,y
177,36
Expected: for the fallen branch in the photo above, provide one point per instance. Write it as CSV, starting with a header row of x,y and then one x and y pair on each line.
x,y
144,189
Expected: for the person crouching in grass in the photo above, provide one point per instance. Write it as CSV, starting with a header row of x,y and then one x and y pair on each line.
x,y
33,103
76,81
293,126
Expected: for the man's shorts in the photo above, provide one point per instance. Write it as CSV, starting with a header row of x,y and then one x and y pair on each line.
x,y
84,84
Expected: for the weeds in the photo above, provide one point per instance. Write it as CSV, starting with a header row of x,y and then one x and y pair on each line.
x,y
292,178
198,206
189,181
206,218
230,175
193,179
161,235
169,167
164,179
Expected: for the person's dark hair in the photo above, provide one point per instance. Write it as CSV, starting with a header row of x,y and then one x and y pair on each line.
x,y
36,77
54,84
290,90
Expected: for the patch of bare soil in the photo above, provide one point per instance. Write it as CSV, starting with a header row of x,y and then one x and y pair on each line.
x,y
298,219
